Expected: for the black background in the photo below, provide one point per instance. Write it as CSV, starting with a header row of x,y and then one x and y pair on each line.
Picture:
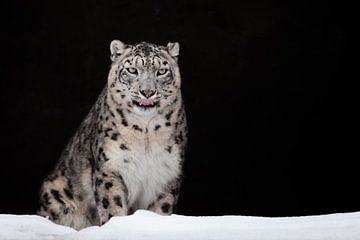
x,y
272,128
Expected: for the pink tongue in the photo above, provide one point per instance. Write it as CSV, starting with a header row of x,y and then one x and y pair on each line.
x,y
146,102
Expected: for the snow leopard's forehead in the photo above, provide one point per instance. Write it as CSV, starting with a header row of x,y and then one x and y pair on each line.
x,y
147,54
145,49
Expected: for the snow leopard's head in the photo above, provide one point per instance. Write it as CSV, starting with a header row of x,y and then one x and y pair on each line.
x,y
144,77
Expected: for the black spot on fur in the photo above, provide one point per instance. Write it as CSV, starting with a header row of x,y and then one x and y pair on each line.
x,y
108,185
168,115
180,136
124,122
110,216
168,148
167,124
136,127
69,193
114,136
57,196
105,157
161,196
105,203
123,147
117,201
121,113
157,127
101,150
54,216
98,182
66,210
96,196
165,207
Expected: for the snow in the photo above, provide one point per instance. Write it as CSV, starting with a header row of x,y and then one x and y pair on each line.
x,y
147,225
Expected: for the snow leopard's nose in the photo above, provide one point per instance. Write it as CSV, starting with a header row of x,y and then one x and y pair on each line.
x,y
147,93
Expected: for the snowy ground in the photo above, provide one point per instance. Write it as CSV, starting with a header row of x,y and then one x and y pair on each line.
x,y
147,225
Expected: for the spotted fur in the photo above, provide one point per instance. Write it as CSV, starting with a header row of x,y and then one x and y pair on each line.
x,y
128,152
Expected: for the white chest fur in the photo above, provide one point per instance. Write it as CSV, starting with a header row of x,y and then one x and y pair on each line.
x,y
147,167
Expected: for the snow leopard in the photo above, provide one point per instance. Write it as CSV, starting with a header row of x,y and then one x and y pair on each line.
x,y
128,152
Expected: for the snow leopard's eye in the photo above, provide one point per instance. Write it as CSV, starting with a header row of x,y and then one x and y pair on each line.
x,y
161,71
132,71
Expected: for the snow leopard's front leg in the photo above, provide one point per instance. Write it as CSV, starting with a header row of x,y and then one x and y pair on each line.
x,y
165,204
110,195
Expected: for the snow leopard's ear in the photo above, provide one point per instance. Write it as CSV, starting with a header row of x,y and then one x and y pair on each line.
x,y
173,49
116,48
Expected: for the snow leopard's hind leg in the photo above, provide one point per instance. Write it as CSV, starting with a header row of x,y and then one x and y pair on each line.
x,y
59,203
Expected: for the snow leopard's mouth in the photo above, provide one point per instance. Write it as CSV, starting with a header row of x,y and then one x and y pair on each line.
x,y
146,103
